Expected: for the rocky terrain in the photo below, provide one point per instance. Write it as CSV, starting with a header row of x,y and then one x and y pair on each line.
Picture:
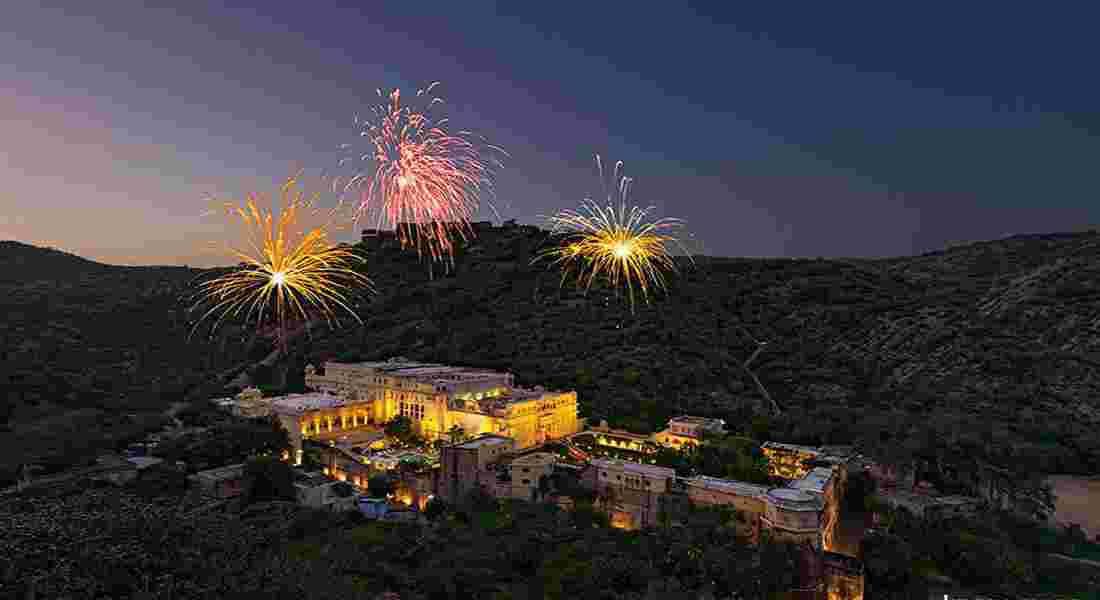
x,y
987,353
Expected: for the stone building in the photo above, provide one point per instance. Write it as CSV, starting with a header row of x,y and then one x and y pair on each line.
x,y
470,464
525,472
826,484
629,492
793,515
438,397
789,460
305,416
317,491
688,430
747,498
222,482
251,404
843,577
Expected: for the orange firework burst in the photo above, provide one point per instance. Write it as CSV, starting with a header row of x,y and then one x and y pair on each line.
x,y
287,273
425,181
619,245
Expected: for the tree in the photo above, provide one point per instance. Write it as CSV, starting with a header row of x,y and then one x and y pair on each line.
x,y
545,485
400,428
435,508
379,486
342,489
268,478
479,500
457,434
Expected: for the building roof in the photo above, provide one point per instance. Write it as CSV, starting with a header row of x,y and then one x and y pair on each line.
x,y
792,447
618,433
310,479
729,486
394,458
220,473
814,481
691,420
793,499
484,440
299,403
535,458
354,437
144,462
635,468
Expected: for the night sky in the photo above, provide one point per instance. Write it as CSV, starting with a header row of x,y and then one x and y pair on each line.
x,y
796,129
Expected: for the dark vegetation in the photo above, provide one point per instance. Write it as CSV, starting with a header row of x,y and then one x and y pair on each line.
x,y
979,355
108,542
996,552
979,359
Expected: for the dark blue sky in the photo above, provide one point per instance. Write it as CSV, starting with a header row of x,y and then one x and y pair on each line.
x,y
795,129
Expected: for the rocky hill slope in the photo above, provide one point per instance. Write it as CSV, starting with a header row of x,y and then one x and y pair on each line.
x,y
990,349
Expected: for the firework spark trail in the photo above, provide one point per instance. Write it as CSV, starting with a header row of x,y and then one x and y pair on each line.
x,y
422,175
621,245
286,273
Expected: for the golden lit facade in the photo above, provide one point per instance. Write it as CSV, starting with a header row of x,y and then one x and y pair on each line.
x,y
688,430
789,460
437,398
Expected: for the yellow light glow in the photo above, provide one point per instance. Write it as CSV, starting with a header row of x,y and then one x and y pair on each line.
x,y
289,270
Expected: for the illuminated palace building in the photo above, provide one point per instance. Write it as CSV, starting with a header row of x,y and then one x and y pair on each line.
x,y
434,397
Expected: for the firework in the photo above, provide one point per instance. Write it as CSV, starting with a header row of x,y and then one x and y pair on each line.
x,y
288,273
622,246
424,181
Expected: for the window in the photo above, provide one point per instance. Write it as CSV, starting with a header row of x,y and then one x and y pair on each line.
x,y
526,481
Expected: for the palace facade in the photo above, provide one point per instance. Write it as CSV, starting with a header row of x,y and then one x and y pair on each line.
x,y
436,398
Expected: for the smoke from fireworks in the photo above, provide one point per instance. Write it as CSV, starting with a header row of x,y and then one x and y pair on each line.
x,y
288,273
424,180
621,245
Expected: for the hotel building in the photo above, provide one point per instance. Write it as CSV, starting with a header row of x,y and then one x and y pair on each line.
x,y
434,397
688,430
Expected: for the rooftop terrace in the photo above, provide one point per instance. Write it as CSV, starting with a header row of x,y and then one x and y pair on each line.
x,y
794,499
815,481
691,420
484,440
226,472
298,403
633,467
792,448
729,486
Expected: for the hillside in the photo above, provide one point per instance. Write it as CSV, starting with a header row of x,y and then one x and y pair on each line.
x,y
91,353
987,353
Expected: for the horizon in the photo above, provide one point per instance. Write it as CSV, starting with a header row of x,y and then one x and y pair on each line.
x,y
1085,230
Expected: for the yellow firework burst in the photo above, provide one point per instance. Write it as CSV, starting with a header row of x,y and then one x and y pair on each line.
x,y
622,246
288,272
